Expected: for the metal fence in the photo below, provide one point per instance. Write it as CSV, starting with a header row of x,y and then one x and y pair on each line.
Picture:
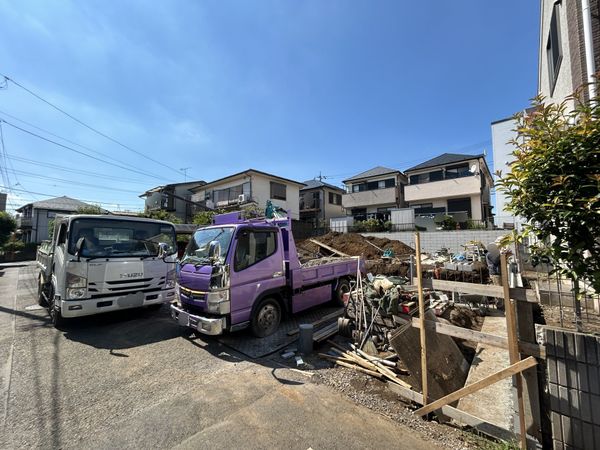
x,y
556,294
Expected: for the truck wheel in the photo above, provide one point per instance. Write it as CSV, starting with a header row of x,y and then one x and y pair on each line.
x,y
266,317
343,287
40,293
55,316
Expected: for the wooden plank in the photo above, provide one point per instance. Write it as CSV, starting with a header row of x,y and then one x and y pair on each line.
x,y
478,385
477,336
345,363
327,247
487,290
513,344
464,418
422,331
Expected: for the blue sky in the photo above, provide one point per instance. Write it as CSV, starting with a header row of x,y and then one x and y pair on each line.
x,y
294,88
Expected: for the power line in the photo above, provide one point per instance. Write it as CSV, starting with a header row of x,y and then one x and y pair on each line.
x,y
78,151
77,183
68,169
66,140
54,195
86,125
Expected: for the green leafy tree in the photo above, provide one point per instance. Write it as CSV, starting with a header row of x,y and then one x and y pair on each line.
x,y
554,184
160,215
7,226
90,209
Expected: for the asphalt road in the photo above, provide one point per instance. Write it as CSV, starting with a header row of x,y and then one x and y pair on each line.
x,y
133,380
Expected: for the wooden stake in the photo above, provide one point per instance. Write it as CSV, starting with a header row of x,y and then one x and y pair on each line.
x,y
422,330
513,345
478,385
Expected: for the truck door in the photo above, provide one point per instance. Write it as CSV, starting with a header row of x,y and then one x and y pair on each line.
x,y
257,267
59,261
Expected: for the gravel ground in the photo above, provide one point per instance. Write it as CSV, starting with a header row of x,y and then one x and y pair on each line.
x,y
373,393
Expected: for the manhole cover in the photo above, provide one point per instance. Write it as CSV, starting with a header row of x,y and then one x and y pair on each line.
x,y
33,308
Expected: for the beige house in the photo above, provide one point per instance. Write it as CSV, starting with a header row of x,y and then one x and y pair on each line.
x,y
372,194
452,184
249,187
319,202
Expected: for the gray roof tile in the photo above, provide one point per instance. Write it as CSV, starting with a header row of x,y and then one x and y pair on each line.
x,y
374,172
444,159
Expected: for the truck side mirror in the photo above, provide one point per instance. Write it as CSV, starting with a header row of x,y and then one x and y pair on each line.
x,y
163,250
214,250
79,246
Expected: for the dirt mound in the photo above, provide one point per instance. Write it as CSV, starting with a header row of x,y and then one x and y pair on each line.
x,y
461,316
354,244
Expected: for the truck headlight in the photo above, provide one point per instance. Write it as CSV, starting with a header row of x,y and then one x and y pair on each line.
x,y
171,279
75,281
75,293
218,302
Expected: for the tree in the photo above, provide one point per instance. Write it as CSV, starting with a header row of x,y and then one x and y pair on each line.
x,y
90,209
554,184
160,215
7,226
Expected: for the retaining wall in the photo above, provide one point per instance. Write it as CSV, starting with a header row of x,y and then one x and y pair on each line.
x,y
432,241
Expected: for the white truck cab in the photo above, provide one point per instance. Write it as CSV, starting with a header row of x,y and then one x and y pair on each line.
x,y
101,263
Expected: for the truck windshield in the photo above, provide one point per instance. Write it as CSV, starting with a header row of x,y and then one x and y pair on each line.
x,y
120,238
197,249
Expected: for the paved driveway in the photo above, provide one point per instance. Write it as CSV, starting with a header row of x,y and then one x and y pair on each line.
x,y
132,380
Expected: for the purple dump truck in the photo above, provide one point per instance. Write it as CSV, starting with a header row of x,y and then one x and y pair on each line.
x,y
246,273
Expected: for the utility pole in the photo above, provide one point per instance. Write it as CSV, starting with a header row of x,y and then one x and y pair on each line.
x,y
184,170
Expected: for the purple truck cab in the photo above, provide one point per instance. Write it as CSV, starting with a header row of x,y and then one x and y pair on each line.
x,y
246,273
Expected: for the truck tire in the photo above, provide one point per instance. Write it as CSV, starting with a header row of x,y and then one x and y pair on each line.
x,y
55,316
342,288
40,293
266,317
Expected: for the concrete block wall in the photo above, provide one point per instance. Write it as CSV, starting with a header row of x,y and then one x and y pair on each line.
x,y
573,376
432,241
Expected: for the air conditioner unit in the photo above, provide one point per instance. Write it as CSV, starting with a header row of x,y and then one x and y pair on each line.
x,y
241,198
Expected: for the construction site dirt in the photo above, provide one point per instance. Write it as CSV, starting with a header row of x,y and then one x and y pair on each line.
x,y
370,249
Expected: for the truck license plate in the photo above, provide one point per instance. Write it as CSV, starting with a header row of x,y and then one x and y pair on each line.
x,y
183,319
131,300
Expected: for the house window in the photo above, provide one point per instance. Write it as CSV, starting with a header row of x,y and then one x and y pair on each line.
x,y
335,199
553,47
278,191
418,179
438,175
457,171
460,205
231,194
359,213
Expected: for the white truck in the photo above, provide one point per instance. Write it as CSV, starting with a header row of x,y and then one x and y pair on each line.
x,y
101,263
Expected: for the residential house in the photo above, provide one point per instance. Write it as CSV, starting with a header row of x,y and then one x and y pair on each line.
x,y
372,194
249,187
451,184
173,198
569,53
319,202
34,218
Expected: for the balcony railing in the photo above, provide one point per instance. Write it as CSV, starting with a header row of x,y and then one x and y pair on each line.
x,y
369,198
24,222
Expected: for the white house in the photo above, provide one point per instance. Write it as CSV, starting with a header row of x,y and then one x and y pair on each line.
x,y
374,193
453,184
249,186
